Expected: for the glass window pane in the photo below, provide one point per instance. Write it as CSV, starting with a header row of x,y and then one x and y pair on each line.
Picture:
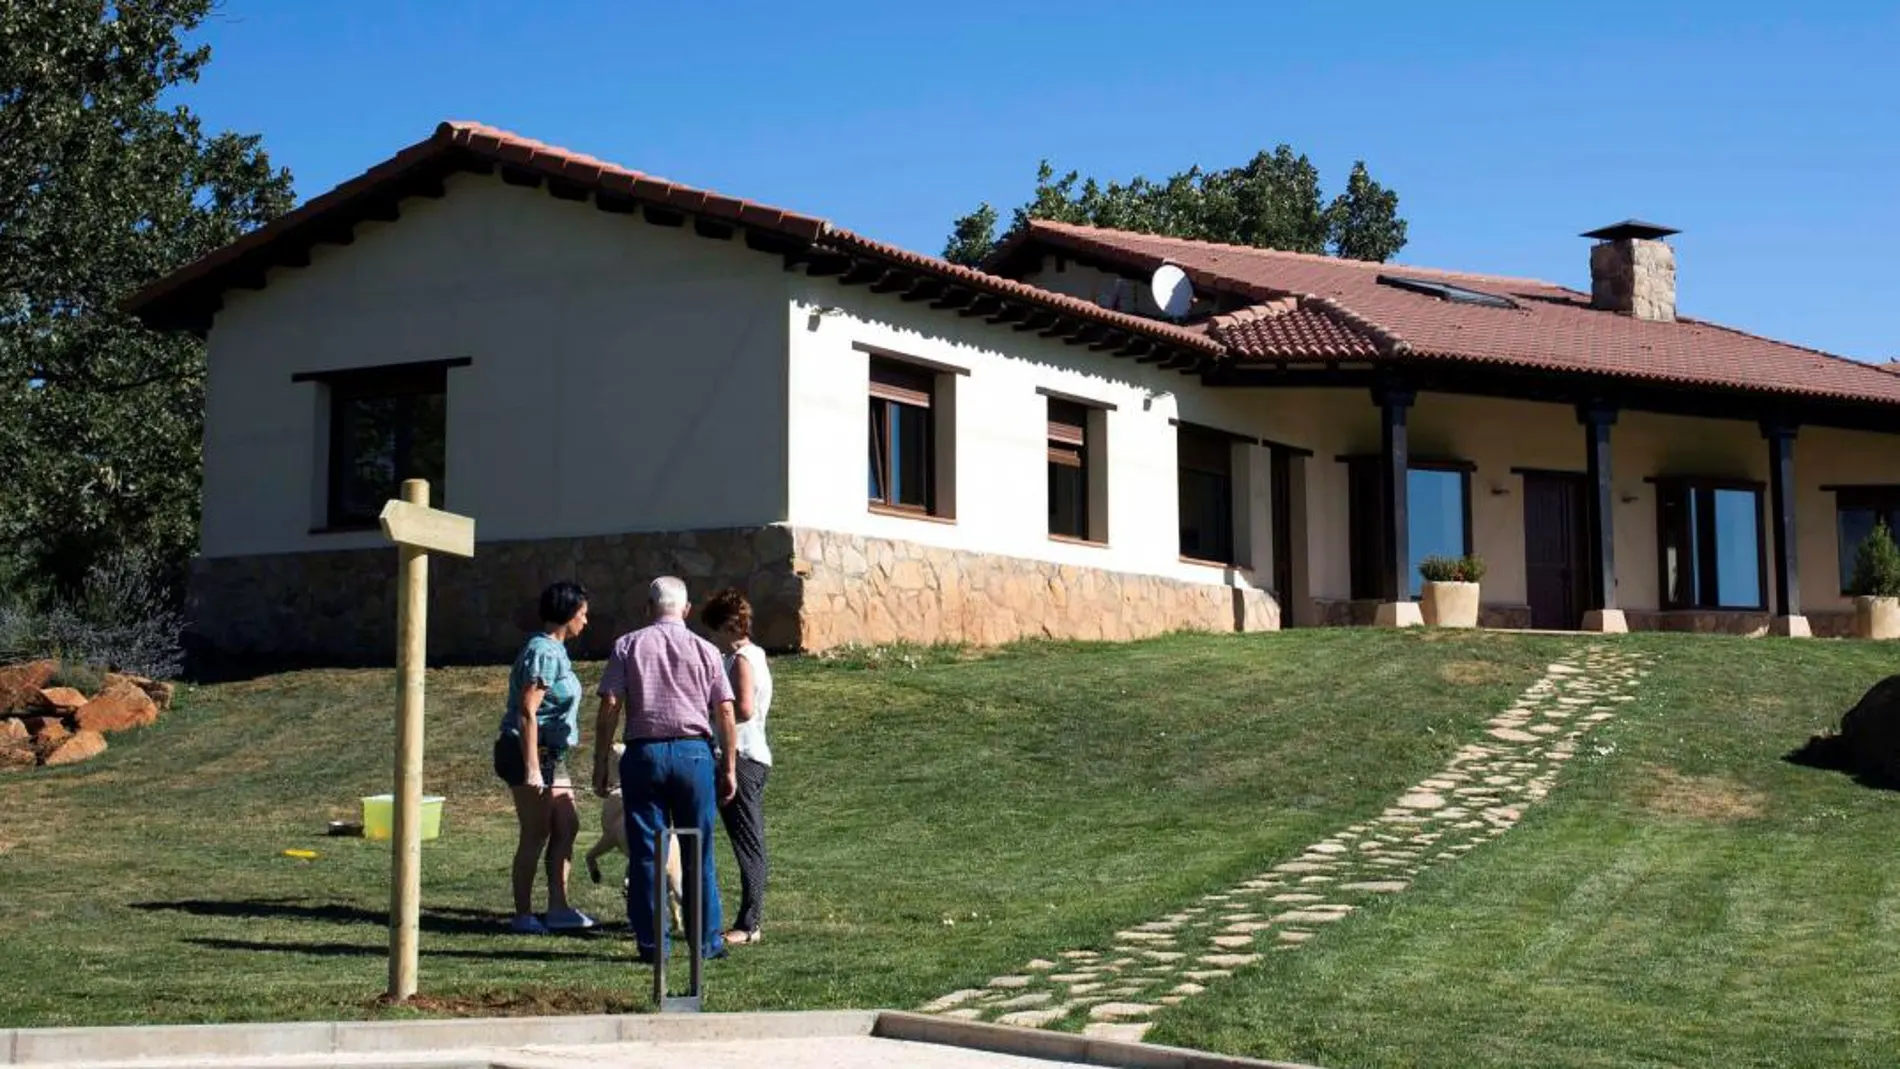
x,y
1737,562
427,447
1435,526
1853,525
1206,524
1068,514
367,478
910,456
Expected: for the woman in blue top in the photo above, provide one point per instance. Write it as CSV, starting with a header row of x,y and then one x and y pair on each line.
x,y
541,724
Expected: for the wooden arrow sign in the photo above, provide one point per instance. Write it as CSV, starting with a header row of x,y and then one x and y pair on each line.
x,y
427,529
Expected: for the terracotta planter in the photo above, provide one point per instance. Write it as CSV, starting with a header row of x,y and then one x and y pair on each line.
x,y
1877,617
1450,604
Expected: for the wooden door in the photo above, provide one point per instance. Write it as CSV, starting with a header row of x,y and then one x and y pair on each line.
x,y
1555,569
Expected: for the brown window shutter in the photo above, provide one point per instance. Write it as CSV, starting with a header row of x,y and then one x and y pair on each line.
x,y
894,382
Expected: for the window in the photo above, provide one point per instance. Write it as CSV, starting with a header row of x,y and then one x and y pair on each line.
x,y
902,453
1711,540
1446,292
1069,471
1438,520
1856,510
1206,463
386,425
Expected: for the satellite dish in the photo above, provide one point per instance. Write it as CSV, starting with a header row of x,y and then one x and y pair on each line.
x,y
1172,291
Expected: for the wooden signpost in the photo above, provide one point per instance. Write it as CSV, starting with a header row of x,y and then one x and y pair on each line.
x,y
417,530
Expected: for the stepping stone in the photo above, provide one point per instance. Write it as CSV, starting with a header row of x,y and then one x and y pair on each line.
x,y
1599,717
1010,981
1207,974
1079,955
1171,1000
952,1000
1163,955
1232,942
1083,989
1382,887
1144,937
1308,916
1545,729
963,1015
1188,989
1109,1011
1158,926
1512,735
1315,880
1248,927
1117,1033
1301,866
1422,800
1229,961
1034,1018
1327,848
1560,670
1034,998
1074,977
1295,937
1039,965
1439,784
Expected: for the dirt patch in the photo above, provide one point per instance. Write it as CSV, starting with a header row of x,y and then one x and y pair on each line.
x,y
524,1002
1712,798
1470,673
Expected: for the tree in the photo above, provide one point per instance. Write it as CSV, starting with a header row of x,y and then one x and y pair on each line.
x,y
102,189
1273,201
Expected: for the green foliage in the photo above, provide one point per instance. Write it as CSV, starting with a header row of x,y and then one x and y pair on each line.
x,y
103,189
1273,201
120,618
1877,564
1466,569
87,679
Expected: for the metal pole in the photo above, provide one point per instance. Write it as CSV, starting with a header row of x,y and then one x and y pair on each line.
x,y
412,621
692,1001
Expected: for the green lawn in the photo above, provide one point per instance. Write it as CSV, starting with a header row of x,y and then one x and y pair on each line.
x,y
1683,898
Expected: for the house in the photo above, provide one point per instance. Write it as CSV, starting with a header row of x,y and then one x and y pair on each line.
x,y
619,376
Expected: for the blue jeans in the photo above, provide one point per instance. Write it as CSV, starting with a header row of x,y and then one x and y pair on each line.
x,y
672,782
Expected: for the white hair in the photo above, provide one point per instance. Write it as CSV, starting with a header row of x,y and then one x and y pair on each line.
x,y
668,595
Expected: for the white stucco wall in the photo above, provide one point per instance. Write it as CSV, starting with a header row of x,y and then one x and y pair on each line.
x,y
1000,437
624,377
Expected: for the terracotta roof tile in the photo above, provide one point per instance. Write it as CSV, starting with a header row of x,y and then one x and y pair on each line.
x,y
1553,327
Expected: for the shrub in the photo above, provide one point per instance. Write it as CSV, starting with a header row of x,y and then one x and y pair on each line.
x,y
85,678
1877,564
121,619
1466,569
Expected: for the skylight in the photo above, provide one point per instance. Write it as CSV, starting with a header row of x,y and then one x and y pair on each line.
x,y
1446,292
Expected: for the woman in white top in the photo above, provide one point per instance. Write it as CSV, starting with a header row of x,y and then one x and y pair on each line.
x,y
728,616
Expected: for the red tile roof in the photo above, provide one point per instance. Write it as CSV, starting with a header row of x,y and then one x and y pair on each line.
x,y
1553,327
1302,308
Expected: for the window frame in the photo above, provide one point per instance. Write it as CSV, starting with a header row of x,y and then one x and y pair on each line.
x,y
1216,442
1365,538
1069,446
1882,499
402,382
894,384
1697,489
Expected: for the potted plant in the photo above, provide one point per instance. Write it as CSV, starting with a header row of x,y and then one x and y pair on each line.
x,y
1876,586
1450,594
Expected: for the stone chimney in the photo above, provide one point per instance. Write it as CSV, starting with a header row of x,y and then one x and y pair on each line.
x,y
1632,271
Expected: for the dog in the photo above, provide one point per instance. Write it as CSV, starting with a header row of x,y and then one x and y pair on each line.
x,y
613,837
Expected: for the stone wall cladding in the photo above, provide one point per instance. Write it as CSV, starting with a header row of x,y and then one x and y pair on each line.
x,y
810,590
872,591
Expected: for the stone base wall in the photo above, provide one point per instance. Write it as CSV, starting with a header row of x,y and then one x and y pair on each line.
x,y
870,591
1328,612
810,590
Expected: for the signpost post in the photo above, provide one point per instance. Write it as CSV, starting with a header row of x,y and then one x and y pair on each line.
x,y
417,530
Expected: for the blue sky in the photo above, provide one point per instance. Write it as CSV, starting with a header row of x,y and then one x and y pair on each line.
x,y
1770,136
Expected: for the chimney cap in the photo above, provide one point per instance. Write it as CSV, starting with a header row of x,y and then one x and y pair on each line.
x,y
1630,228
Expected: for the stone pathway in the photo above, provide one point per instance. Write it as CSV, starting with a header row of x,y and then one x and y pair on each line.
x,y
1479,795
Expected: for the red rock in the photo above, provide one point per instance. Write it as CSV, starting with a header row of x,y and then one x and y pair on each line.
x,y
156,689
62,699
83,746
20,683
15,757
12,731
118,707
48,732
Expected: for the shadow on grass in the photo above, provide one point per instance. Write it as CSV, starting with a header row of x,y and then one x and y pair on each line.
x,y
438,921
1833,753
354,950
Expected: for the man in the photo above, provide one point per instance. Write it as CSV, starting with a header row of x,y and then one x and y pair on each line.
x,y
673,685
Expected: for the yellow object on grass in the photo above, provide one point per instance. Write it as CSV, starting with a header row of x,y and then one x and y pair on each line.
x,y
306,855
379,816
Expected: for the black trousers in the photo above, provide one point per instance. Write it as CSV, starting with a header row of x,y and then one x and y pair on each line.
x,y
744,818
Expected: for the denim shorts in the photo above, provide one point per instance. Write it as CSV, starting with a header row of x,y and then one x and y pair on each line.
x,y
514,771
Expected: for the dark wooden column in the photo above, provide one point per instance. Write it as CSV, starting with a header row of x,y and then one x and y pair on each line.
x,y
1781,485
1394,514
1599,504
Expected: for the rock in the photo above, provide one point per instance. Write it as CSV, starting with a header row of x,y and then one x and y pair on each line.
x,y
15,757
48,733
62,700
12,731
156,689
119,707
20,684
1868,743
82,746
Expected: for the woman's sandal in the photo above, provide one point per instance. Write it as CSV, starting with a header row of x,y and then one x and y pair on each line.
x,y
740,937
